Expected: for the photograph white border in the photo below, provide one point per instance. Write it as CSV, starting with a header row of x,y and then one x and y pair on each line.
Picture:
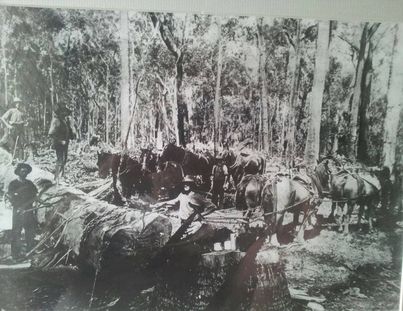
x,y
341,10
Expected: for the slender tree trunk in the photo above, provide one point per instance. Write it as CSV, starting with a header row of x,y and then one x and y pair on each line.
x,y
52,86
4,56
290,148
107,106
124,79
218,89
182,109
395,100
321,67
355,103
175,112
263,85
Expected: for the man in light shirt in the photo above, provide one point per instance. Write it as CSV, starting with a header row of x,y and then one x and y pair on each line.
x,y
13,139
189,202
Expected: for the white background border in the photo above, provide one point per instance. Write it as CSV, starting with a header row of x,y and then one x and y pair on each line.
x,y
342,10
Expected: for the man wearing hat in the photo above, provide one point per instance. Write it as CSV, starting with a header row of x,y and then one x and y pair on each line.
x,y
189,201
13,139
22,193
61,131
220,177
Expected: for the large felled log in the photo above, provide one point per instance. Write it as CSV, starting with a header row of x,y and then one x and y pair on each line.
x,y
91,233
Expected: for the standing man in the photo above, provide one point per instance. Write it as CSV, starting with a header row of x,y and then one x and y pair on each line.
x,y
61,131
220,177
13,139
22,193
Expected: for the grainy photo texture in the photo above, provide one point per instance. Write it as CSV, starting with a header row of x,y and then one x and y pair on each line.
x,y
159,161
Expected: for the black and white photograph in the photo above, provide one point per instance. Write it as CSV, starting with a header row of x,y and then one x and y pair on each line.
x,y
189,161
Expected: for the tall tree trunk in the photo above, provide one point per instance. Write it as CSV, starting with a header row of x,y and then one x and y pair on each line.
x,y
321,67
124,79
395,100
218,89
290,136
44,118
181,109
263,85
366,85
107,106
355,103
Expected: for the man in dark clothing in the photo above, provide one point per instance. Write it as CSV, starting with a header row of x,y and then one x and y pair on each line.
x,y
22,194
14,139
219,176
61,131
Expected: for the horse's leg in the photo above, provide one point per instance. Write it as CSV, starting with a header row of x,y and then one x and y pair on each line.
x,y
59,162
65,149
278,230
306,217
341,207
331,216
372,205
371,211
360,214
350,208
295,222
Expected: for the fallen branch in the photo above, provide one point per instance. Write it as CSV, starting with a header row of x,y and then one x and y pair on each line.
x,y
302,295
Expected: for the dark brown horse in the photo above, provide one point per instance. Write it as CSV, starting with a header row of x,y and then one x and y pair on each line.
x,y
248,194
243,164
134,178
166,183
192,164
126,168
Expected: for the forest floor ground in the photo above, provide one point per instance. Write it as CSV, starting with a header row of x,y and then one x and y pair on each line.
x,y
358,271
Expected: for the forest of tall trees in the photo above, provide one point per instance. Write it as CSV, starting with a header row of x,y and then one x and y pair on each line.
x,y
287,87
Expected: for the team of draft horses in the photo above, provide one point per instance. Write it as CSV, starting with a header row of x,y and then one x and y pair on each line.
x,y
298,192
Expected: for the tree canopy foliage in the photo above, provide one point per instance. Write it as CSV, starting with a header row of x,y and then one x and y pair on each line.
x,y
267,69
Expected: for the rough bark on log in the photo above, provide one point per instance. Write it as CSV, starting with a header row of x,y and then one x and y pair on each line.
x,y
94,233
